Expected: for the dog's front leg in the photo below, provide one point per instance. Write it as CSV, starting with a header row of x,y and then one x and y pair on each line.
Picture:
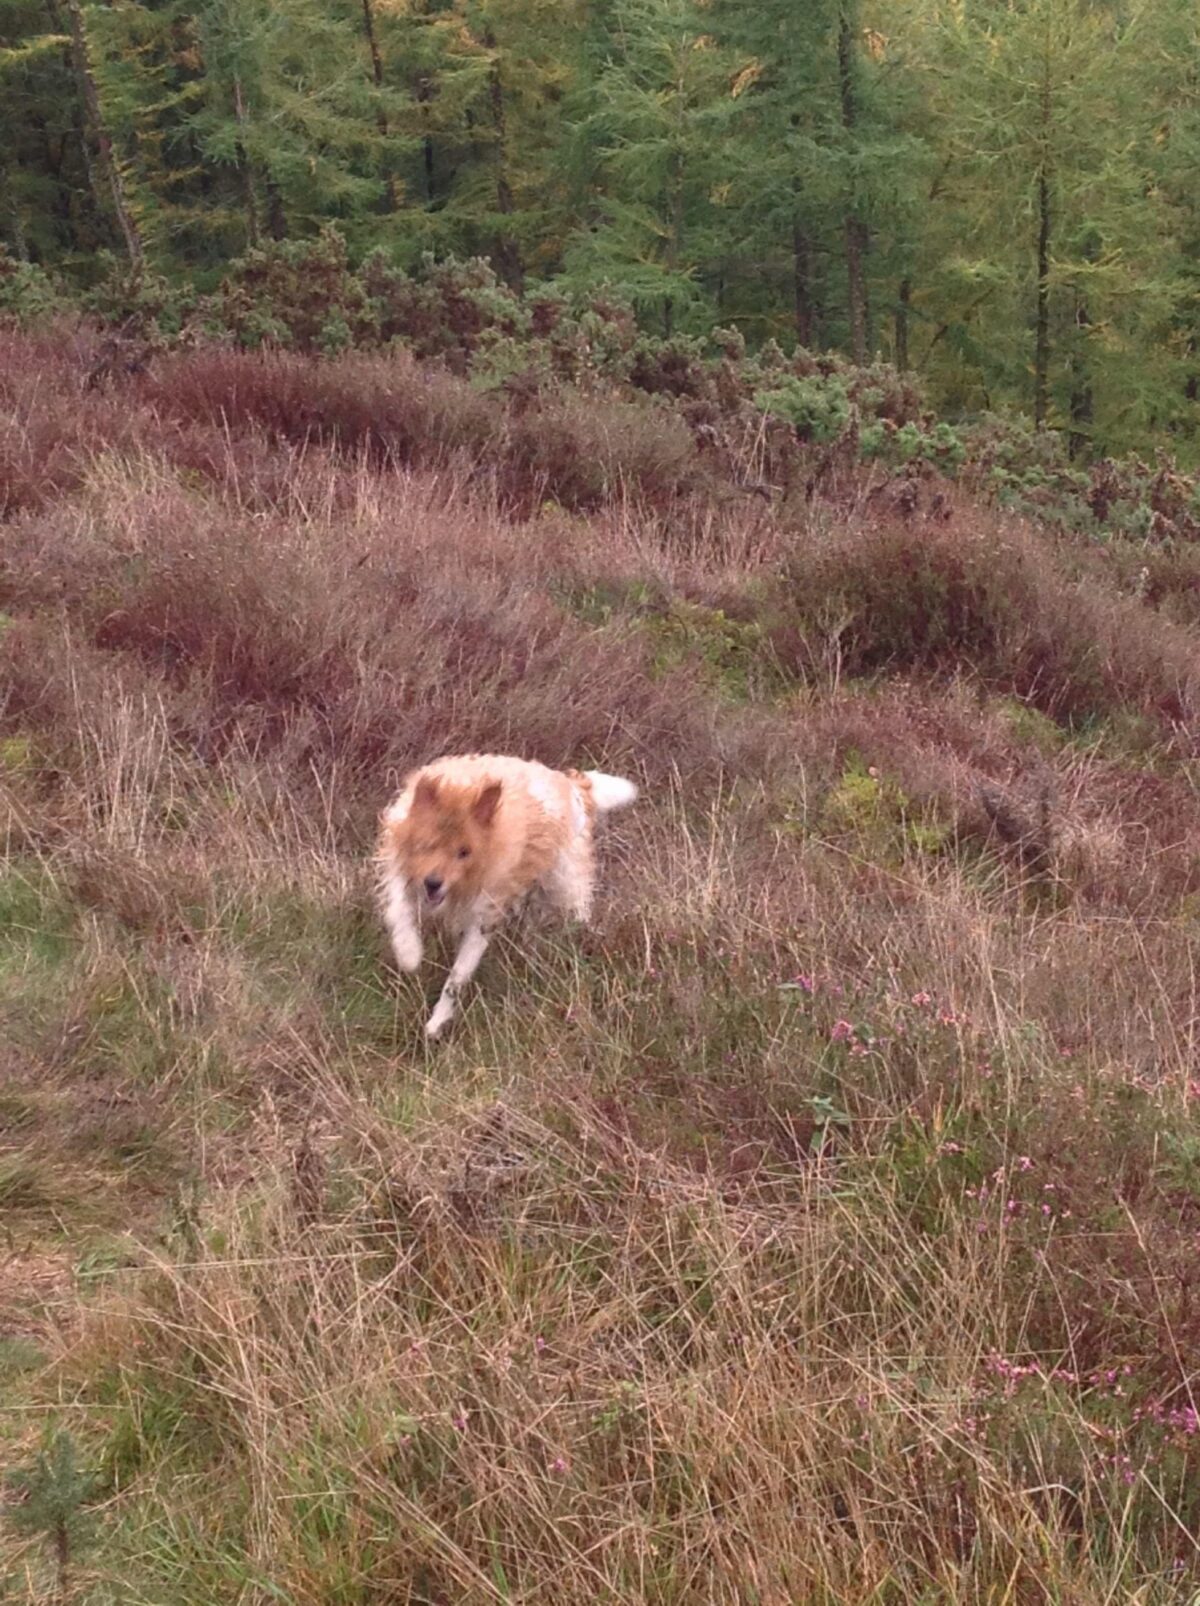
x,y
466,963
401,921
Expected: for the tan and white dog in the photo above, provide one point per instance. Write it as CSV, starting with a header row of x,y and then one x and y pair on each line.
x,y
469,837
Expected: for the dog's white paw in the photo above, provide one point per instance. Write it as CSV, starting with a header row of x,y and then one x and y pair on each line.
x,y
436,1024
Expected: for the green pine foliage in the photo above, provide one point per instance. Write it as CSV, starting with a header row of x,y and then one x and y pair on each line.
x,y
1000,196
48,1500
657,117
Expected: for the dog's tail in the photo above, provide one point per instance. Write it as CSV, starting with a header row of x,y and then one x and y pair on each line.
x,y
610,791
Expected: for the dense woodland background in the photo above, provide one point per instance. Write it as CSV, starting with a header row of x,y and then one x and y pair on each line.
x,y
998,194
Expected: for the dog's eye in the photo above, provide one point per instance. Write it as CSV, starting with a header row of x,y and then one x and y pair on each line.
x,y
464,853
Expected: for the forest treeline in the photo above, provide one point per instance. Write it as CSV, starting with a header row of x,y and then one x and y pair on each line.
x,y
998,194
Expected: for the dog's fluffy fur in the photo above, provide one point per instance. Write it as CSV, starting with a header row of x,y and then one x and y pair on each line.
x,y
469,837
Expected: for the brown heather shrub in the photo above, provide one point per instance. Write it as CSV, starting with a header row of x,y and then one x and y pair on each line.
x,y
984,594
579,451
1166,577
366,642
54,429
217,413
586,452
47,429
389,409
1098,827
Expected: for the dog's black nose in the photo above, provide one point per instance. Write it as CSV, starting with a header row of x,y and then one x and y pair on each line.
x,y
433,885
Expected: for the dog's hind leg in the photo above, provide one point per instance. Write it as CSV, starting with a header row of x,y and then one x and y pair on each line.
x,y
466,963
569,883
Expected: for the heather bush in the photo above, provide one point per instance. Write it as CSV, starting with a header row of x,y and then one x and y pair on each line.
x,y
899,594
309,297
48,429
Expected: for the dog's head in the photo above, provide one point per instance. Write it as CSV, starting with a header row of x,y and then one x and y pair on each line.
x,y
442,843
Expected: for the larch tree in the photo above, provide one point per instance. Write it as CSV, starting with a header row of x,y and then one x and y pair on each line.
x,y
1050,239
999,194
47,210
289,109
109,170
508,67
828,165
655,121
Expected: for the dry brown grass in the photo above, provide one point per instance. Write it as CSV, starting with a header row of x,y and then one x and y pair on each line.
x,y
821,1226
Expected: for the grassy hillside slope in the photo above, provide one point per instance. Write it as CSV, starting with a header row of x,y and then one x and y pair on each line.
x,y
821,1226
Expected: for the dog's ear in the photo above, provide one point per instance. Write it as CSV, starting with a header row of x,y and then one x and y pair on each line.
x,y
425,795
483,810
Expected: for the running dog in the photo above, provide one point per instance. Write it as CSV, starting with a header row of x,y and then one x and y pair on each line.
x,y
466,840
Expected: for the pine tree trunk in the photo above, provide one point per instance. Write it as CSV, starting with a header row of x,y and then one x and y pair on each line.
x,y
1041,352
276,216
903,304
856,282
802,285
246,169
423,92
77,125
62,1560
427,153
674,235
98,130
857,236
15,221
1083,403
508,254
381,118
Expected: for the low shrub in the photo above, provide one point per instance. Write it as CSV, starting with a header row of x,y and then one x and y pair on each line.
x,y
818,409
900,594
28,295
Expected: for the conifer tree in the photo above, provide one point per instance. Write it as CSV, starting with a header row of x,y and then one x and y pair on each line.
x,y
655,123
497,91
1000,194
1055,244
53,1492
829,169
108,162
41,145
288,108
